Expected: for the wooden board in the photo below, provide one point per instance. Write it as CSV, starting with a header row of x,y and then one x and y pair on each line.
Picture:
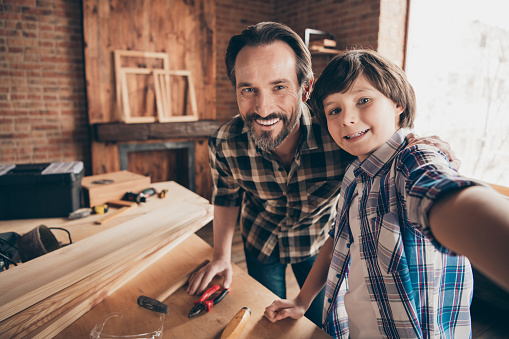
x,y
120,74
42,277
245,291
118,132
97,193
501,189
175,103
142,94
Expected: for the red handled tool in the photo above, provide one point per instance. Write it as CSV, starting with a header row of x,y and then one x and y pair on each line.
x,y
205,305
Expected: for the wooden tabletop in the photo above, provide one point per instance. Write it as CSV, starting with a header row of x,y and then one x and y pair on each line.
x,y
157,277
244,292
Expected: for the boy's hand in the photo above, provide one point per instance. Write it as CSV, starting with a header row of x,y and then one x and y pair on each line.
x,y
281,309
414,139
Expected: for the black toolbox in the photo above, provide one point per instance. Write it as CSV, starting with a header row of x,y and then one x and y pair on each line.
x,y
40,190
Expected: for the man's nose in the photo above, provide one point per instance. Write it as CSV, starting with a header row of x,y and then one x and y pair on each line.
x,y
264,103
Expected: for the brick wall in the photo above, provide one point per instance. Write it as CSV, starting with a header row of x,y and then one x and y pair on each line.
x,y
232,17
43,114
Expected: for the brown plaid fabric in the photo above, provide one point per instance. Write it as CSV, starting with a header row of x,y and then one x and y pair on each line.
x,y
293,209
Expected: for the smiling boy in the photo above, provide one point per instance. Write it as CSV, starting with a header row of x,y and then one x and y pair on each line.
x,y
394,262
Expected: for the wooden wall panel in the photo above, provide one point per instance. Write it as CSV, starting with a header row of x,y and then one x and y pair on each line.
x,y
183,29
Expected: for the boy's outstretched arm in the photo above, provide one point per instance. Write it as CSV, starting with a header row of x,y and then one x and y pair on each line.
x,y
295,308
475,222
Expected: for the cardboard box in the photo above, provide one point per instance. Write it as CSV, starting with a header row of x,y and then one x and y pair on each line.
x,y
47,190
101,188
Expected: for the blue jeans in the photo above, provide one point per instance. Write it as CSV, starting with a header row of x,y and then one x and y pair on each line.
x,y
271,274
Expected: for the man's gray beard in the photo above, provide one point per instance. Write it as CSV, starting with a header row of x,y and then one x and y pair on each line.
x,y
264,140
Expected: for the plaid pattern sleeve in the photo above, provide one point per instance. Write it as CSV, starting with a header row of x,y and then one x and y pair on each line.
x,y
292,208
417,288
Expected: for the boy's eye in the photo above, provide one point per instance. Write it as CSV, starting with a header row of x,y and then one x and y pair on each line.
x,y
335,111
364,101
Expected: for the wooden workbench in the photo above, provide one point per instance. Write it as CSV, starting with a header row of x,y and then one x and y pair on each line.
x,y
244,292
155,279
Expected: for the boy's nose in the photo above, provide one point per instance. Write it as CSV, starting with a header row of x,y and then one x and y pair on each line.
x,y
350,117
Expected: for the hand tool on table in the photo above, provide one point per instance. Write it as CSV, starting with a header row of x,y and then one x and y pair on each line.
x,y
100,209
80,213
140,197
156,305
237,324
203,304
124,207
136,197
148,192
162,193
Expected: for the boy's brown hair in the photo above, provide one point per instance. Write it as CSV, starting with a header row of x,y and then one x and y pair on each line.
x,y
383,74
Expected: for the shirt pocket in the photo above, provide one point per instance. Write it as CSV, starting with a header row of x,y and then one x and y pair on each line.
x,y
390,251
322,192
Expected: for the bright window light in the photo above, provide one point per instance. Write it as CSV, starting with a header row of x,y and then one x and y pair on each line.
x,y
458,62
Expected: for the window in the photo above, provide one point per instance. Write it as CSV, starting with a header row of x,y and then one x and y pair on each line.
x,y
458,63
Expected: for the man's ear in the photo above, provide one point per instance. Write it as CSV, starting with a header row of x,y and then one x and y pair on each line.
x,y
307,90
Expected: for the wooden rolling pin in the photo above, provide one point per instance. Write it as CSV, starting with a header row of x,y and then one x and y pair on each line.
x,y
237,324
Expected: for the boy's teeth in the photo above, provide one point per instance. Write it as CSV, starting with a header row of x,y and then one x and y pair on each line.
x,y
356,134
267,122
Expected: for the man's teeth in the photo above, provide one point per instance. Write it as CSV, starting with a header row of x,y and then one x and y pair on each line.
x,y
268,122
356,134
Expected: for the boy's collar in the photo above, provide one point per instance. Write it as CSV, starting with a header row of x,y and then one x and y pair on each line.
x,y
377,160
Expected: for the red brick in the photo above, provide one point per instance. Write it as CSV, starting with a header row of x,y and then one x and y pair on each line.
x,y
18,96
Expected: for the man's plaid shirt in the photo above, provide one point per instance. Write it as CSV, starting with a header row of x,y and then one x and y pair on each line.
x,y
291,209
417,287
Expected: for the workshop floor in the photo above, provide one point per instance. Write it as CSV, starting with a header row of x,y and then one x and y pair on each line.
x,y
488,322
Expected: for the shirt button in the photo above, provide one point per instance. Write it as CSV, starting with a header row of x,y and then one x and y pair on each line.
x,y
338,275
329,300
348,245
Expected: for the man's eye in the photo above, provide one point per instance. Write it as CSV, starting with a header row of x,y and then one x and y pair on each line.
x,y
364,100
279,87
247,90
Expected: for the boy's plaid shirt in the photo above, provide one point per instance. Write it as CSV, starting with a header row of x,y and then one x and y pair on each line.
x,y
293,209
418,288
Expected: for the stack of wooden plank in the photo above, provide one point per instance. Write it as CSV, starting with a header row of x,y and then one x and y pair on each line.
x,y
323,45
43,296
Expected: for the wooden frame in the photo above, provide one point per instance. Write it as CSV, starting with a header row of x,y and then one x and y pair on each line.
x,y
126,110
118,55
163,96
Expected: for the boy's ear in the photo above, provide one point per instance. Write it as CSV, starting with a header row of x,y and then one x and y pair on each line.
x,y
399,109
307,90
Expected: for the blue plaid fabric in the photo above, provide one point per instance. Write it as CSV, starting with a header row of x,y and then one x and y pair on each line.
x,y
418,288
